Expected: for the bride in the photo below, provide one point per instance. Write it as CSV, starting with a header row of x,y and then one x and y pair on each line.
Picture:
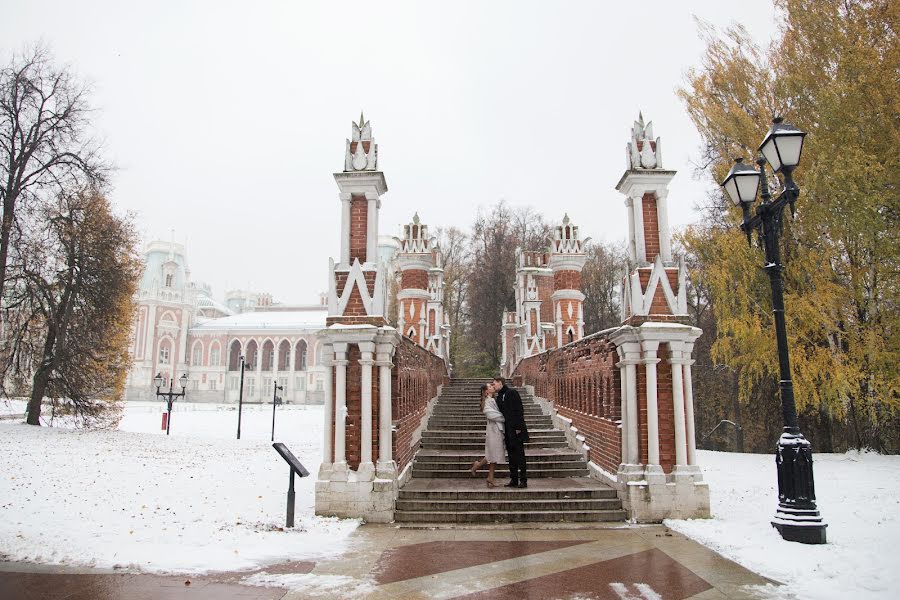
x,y
494,447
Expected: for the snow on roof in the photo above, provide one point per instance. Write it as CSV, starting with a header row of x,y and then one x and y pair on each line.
x,y
207,302
284,320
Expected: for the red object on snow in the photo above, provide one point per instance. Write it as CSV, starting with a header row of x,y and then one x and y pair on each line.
x,y
165,421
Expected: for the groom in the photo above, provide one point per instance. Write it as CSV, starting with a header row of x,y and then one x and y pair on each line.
x,y
510,404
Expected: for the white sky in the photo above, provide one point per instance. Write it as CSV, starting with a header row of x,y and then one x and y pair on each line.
x,y
227,120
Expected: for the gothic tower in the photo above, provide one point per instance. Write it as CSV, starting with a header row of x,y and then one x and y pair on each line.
x,y
567,258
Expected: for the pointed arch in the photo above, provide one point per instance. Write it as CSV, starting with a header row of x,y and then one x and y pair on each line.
x,y
300,355
197,353
215,354
284,355
268,356
234,356
251,357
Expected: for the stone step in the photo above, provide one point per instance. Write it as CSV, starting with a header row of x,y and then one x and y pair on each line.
x,y
501,472
512,494
508,504
472,423
479,433
479,446
465,458
501,516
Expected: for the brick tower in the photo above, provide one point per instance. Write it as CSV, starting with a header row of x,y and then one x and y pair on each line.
x,y
567,259
414,260
357,396
659,469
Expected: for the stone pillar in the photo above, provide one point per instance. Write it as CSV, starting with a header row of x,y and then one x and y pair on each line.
x,y
650,361
637,210
340,468
366,469
346,197
689,413
678,400
386,468
328,447
372,227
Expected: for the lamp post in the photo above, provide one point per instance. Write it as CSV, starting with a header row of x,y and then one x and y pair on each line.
x,y
170,395
276,400
797,518
241,395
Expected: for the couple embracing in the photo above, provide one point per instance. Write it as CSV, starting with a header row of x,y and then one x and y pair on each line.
x,y
505,430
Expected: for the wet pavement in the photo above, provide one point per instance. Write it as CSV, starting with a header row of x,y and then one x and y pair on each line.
x,y
386,561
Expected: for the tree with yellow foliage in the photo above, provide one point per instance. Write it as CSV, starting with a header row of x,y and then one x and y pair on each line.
x,y
832,72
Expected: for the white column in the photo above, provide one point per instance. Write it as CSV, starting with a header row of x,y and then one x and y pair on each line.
x,y
366,470
689,412
678,400
372,228
662,220
633,447
631,353
345,228
637,209
340,411
328,446
632,253
650,361
387,468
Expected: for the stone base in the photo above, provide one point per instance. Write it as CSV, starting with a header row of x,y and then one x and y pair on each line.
x,y
372,501
649,495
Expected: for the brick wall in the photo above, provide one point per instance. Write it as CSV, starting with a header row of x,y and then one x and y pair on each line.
x,y
359,222
414,278
582,381
545,290
567,280
651,226
416,375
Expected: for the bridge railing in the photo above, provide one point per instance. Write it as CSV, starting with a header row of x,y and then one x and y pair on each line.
x,y
582,382
415,379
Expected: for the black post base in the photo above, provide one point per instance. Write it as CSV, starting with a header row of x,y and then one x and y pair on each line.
x,y
797,518
805,534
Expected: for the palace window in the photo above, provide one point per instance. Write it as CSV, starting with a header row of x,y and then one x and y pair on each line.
x,y
214,356
251,386
212,385
164,354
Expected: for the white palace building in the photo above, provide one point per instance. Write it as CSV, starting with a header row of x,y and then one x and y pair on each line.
x,y
180,329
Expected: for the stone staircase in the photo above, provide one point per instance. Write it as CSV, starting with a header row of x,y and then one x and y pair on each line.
x,y
442,490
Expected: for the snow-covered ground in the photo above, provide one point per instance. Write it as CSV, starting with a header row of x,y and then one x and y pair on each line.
x,y
200,501
196,501
858,495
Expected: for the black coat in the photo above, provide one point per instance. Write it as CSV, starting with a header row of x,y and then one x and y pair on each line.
x,y
510,404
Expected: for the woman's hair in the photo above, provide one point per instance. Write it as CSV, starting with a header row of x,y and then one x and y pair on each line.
x,y
484,388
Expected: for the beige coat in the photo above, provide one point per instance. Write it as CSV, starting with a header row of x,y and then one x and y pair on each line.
x,y
494,445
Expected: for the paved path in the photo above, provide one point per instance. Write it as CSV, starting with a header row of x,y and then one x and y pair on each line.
x,y
391,562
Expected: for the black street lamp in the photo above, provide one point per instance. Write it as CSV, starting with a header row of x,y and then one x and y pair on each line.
x,y
276,400
170,395
241,395
797,518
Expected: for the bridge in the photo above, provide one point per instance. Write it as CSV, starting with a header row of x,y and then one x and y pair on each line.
x,y
610,414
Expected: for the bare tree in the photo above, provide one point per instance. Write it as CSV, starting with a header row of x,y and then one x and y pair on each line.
x,y
456,251
601,284
44,143
75,305
495,237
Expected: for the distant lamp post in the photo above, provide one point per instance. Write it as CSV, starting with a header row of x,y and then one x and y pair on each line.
x,y
170,395
241,395
276,400
797,518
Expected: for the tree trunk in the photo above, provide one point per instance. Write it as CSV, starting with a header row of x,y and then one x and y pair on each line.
x,y
38,388
5,235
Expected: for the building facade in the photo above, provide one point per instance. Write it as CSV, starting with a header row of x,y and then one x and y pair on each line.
x,y
180,329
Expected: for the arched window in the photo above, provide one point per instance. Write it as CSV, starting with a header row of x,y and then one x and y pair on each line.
x,y
252,354
268,356
300,356
214,355
284,355
234,356
169,278
165,352
197,354
571,335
